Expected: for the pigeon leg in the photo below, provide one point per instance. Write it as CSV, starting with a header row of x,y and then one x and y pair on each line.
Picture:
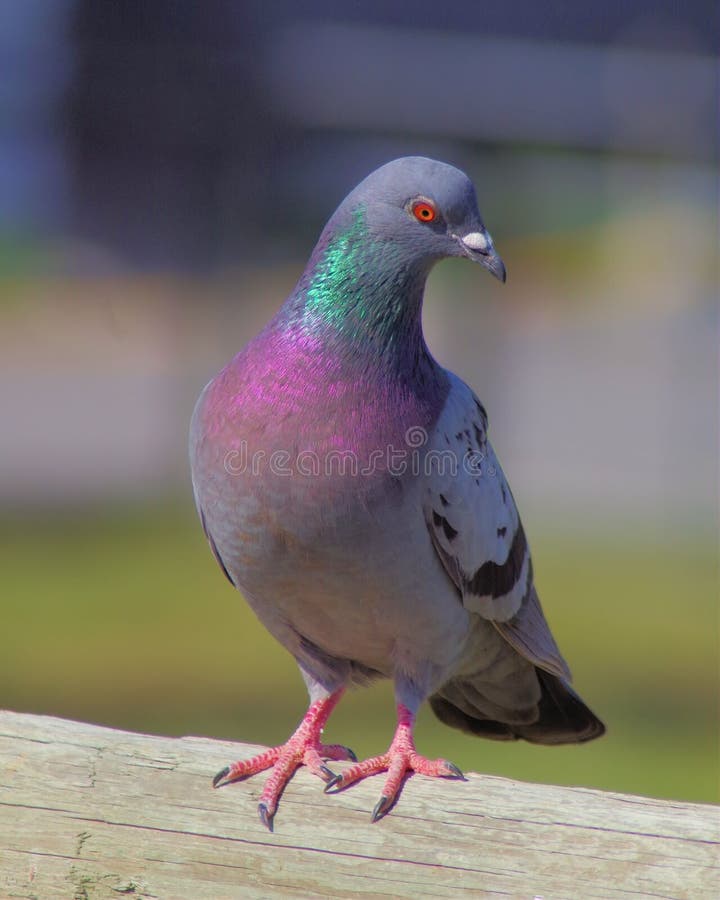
x,y
302,748
400,758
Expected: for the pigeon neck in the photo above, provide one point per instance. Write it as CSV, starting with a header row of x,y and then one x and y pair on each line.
x,y
361,296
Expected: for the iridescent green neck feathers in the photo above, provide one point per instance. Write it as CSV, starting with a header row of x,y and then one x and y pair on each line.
x,y
360,289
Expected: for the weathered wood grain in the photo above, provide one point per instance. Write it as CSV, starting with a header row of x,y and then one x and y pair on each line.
x,y
89,812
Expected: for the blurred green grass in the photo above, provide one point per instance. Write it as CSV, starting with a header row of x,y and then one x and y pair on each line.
x,y
121,617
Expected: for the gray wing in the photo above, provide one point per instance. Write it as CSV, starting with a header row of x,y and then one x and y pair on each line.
x,y
477,533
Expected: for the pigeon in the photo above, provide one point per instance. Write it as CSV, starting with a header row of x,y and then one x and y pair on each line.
x,y
347,488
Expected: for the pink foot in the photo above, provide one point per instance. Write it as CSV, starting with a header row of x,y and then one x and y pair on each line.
x,y
400,758
302,748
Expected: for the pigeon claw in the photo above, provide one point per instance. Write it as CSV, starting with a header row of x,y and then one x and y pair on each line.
x,y
337,752
380,808
266,817
219,779
399,761
453,771
303,748
335,782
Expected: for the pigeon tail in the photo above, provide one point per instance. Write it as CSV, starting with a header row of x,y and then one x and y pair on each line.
x,y
562,717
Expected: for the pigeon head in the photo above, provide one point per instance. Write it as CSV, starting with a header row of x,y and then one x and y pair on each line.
x,y
426,210
364,282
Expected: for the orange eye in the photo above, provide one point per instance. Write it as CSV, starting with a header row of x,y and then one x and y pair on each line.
x,y
424,211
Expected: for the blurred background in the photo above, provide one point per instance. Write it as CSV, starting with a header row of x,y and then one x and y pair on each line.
x,y
165,169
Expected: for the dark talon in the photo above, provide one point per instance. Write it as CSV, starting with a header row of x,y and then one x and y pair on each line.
x,y
454,771
381,808
352,756
220,776
266,817
327,774
334,782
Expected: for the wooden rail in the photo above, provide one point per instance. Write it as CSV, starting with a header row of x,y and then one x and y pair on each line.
x,y
89,812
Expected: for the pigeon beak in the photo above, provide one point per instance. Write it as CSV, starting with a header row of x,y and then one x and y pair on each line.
x,y
494,265
478,246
